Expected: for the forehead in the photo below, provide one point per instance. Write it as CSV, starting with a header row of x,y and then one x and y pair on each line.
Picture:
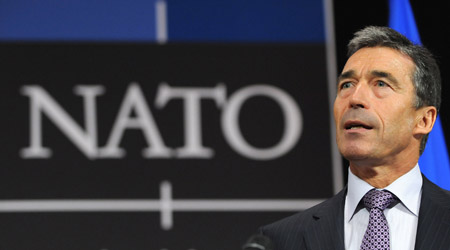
x,y
381,59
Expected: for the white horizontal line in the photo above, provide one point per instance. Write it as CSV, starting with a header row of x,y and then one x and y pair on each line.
x,y
203,205
243,205
78,205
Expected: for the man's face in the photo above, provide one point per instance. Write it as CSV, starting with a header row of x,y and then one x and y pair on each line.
x,y
374,107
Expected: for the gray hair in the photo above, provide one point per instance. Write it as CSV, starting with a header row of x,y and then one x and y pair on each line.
x,y
426,77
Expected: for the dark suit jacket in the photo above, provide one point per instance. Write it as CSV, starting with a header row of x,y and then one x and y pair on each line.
x,y
322,227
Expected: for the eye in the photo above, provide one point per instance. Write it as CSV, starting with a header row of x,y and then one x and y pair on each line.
x,y
381,84
346,85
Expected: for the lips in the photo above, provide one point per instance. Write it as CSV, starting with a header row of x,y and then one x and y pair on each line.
x,y
349,125
358,120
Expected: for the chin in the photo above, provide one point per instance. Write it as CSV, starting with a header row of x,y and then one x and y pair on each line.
x,y
356,157
354,154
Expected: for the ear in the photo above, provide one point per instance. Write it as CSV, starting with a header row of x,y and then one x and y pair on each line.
x,y
426,116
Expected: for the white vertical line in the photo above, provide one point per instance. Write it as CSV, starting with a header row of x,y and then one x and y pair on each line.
x,y
166,205
338,178
161,21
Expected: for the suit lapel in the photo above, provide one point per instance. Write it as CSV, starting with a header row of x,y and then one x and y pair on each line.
x,y
327,226
433,229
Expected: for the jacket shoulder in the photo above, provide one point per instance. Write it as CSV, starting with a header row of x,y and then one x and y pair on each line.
x,y
289,233
436,194
293,222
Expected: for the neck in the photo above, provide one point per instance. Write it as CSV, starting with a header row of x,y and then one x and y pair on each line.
x,y
381,176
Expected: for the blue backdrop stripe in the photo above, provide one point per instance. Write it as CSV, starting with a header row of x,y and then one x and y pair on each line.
x,y
75,20
246,21
188,21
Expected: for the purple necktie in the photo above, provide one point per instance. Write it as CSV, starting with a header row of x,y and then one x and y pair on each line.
x,y
377,233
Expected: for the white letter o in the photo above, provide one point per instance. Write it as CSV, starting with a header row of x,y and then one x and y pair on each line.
x,y
292,120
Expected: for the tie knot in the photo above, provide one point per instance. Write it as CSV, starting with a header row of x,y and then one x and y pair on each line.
x,y
378,199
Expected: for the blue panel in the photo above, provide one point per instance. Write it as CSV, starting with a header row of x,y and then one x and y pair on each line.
x,y
246,20
77,20
195,20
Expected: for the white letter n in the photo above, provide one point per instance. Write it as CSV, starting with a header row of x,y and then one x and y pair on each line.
x,y
42,103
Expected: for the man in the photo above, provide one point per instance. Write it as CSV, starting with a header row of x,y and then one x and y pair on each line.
x,y
387,102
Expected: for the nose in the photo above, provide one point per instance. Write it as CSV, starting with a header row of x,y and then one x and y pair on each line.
x,y
359,97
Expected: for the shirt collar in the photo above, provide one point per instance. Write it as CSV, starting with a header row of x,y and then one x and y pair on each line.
x,y
407,188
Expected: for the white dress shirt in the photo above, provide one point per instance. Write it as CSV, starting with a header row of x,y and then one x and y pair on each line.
x,y
402,218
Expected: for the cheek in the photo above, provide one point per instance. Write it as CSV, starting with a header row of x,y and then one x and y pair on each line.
x,y
335,111
337,118
336,108
399,123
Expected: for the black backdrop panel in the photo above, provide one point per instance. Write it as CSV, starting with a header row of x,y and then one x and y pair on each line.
x,y
202,109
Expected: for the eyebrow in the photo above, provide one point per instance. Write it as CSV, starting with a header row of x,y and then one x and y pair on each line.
x,y
386,75
345,75
376,73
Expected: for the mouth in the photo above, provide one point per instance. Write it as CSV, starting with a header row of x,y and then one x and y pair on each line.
x,y
353,125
